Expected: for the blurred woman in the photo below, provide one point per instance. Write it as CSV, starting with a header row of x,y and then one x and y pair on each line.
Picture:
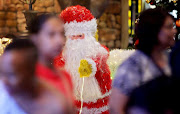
x,y
47,33
155,31
20,91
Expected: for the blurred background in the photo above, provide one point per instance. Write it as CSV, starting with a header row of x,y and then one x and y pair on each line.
x,y
116,18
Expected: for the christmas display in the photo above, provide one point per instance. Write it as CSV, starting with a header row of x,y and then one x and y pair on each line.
x,y
166,4
116,57
170,6
3,43
86,60
178,23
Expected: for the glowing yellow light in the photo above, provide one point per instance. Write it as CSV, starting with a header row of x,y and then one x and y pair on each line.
x,y
3,43
174,1
129,21
139,6
148,1
96,35
129,2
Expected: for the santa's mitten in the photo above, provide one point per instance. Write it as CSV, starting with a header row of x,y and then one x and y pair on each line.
x,y
87,68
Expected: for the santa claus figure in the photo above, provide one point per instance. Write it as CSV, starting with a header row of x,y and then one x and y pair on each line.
x,y
85,59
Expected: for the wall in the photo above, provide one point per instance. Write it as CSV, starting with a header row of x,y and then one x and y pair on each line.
x,y
12,19
109,25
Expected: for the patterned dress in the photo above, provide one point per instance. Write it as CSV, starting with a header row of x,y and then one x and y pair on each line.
x,y
135,71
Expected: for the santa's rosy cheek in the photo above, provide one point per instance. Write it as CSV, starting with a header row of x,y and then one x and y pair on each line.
x,y
72,37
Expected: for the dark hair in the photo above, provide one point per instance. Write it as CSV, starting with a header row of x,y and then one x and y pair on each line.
x,y
24,44
36,24
11,36
28,82
19,44
148,27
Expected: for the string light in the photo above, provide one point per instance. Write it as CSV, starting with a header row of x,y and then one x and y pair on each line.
x,y
174,1
82,97
148,1
116,57
3,43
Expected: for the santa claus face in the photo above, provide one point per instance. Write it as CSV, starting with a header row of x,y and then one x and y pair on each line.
x,y
82,46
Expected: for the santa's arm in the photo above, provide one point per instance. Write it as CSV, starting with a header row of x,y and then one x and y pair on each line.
x,y
89,67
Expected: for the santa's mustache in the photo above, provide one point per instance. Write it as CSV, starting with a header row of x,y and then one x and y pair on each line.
x,y
78,49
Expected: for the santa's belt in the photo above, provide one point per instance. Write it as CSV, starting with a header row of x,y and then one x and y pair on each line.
x,y
99,103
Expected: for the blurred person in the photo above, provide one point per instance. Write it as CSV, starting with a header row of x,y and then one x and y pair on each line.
x,y
158,96
20,91
155,32
47,33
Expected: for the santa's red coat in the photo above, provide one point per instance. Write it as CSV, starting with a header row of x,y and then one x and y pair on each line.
x,y
104,81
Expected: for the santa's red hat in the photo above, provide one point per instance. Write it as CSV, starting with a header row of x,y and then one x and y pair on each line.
x,y
78,20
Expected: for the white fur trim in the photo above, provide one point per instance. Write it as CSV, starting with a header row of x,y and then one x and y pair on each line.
x,y
93,64
106,94
100,97
75,28
91,91
95,110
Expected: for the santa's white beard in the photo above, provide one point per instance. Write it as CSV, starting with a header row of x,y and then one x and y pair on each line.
x,y
73,52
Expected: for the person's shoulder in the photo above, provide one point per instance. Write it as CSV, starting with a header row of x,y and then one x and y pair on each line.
x,y
131,61
49,95
128,74
57,99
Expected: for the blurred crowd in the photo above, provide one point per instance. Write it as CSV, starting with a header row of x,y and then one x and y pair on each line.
x,y
146,83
